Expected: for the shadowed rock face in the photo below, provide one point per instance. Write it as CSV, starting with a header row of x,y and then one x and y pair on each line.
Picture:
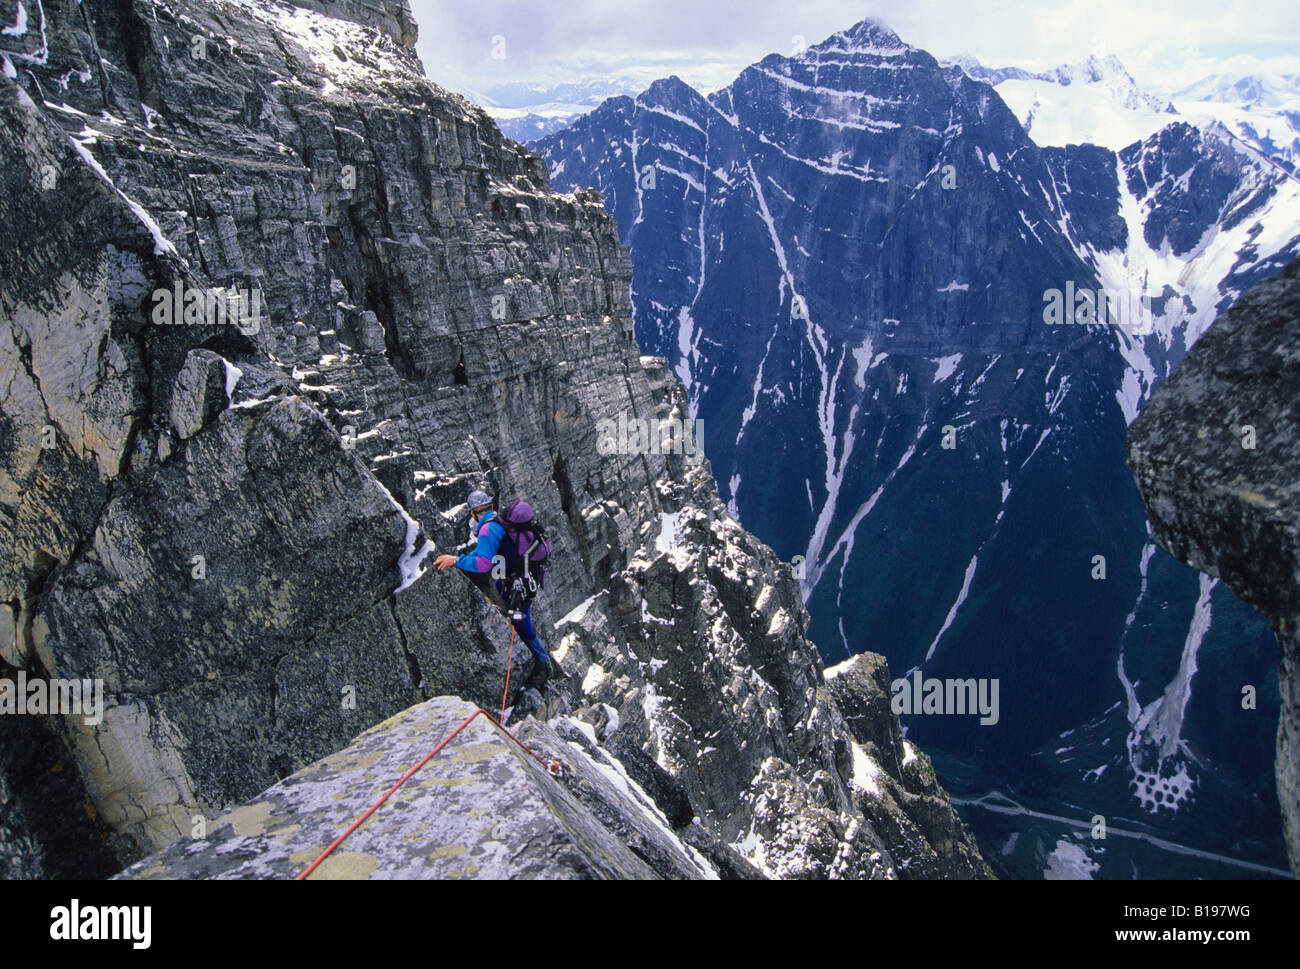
x,y
1215,456
230,523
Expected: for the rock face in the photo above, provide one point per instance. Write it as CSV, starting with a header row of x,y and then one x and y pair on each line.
x,y
482,808
1215,456
894,784
272,304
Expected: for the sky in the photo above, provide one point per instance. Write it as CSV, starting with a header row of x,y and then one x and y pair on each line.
x,y
480,45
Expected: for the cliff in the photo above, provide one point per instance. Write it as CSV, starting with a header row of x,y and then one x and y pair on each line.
x,y
230,524
1215,456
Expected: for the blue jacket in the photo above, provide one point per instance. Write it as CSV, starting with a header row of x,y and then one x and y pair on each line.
x,y
490,534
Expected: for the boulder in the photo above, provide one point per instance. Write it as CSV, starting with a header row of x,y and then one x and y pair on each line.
x,y
1216,456
199,393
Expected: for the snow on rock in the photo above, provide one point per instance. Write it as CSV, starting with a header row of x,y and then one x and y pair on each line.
x,y
160,243
19,27
408,565
867,773
579,612
947,366
233,374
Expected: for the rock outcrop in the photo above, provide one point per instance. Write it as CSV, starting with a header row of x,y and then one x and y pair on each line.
x,y
223,505
1215,454
483,809
894,783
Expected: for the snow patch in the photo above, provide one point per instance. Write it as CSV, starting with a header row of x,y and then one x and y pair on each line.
x,y
866,772
1069,862
160,243
947,366
19,26
233,374
579,612
408,565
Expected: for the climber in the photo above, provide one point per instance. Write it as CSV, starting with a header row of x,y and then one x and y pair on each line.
x,y
516,587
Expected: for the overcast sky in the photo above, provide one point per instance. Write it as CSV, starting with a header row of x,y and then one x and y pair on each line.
x,y
1165,44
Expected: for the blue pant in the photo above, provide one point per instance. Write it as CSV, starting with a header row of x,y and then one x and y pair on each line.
x,y
524,627
527,635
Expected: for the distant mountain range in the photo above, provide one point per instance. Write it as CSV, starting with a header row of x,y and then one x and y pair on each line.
x,y
1098,102
1095,101
850,257
1280,91
526,112
1262,111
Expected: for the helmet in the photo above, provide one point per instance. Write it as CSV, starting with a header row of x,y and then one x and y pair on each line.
x,y
479,499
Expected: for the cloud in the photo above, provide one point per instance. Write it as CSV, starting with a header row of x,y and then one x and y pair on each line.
x,y
1164,43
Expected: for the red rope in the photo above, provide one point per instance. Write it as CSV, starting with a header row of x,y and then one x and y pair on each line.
x,y
371,810
510,661
552,767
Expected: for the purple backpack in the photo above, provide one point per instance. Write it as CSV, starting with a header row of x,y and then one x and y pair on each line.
x,y
525,547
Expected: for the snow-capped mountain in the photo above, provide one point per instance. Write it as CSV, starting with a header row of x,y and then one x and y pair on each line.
x,y
1262,111
1098,102
1258,90
316,454
589,91
529,124
849,256
1095,102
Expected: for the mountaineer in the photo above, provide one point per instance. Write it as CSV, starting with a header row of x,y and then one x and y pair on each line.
x,y
512,549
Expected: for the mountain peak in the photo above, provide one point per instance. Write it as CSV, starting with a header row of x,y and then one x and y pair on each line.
x,y
1095,69
869,36
669,90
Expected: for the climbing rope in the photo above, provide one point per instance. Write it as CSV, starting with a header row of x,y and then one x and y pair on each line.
x,y
552,767
510,661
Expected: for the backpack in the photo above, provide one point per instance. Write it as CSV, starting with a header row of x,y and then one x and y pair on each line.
x,y
525,546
